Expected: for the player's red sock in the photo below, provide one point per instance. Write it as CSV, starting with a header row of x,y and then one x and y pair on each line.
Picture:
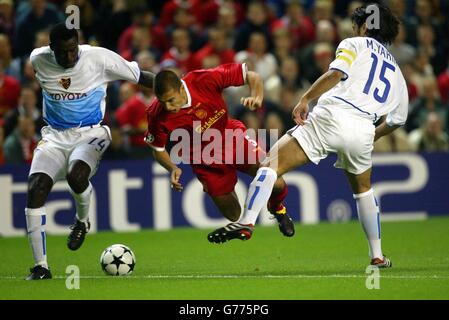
x,y
276,199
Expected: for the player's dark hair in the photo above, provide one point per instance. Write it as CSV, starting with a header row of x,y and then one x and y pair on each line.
x,y
59,32
166,80
389,23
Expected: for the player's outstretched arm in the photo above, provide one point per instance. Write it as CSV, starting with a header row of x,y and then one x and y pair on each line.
x,y
255,84
384,129
163,158
397,117
326,82
146,79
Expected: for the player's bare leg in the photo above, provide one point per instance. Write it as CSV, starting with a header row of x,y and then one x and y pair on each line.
x,y
81,190
39,186
228,205
285,155
369,215
360,183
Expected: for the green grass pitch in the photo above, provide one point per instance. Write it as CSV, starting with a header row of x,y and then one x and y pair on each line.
x,y
325,261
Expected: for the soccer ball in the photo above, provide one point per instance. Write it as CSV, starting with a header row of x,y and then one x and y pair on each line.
x,y
118,260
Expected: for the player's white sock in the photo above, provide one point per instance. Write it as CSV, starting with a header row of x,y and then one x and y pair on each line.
x,y
82,202
258,194
36,220
369,217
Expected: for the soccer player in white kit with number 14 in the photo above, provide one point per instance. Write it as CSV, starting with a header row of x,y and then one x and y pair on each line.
x,y
363,84
73,78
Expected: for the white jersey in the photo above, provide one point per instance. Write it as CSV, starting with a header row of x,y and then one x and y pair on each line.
x,y
373,85
75,97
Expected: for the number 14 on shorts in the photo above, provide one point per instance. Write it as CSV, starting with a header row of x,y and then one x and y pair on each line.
x,y
99,143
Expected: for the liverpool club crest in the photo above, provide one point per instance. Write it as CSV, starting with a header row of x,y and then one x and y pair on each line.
x,y
201,114
65,83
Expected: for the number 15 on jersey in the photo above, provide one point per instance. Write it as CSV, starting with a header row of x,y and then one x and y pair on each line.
x,y
381,98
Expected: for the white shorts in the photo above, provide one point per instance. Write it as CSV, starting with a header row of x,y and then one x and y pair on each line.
x,y
329,129
58,149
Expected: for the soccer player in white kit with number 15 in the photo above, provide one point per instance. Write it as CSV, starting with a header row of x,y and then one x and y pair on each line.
x,y
73,79
363,84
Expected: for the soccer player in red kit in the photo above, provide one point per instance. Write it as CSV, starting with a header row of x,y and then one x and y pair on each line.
x,y
195,103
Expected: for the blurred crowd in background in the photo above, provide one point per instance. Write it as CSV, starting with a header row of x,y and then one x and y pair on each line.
x,y
290,43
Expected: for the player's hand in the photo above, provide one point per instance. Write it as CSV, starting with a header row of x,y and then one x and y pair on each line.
x,y
174,179
300,112
252,103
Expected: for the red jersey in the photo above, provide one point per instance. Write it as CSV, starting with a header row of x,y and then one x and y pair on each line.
x,y
9,94
443,85
158,39
205,104
132,113
225,56
184,63
170,7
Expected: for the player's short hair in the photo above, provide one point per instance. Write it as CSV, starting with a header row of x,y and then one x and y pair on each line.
x,y
59,32
166,80
389,23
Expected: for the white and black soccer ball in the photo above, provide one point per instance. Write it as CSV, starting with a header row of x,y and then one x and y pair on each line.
x,y
118,260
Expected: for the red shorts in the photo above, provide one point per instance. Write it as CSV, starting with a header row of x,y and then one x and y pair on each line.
x,y
220,178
